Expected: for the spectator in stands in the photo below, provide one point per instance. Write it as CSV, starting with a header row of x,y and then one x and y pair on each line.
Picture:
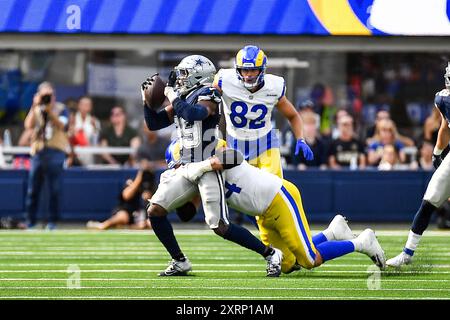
x,y
119,134
132,201
86,128
312,137
151,152
431,126
386,133
382,114
22,161
49,143
335,128
323,99
425,161
389,159
346,151
72,157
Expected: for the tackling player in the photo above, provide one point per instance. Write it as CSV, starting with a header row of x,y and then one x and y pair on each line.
x,y
249,96
194,110
438,189
277,205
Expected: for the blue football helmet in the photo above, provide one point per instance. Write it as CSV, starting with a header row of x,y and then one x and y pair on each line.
x,y
251,58
173,154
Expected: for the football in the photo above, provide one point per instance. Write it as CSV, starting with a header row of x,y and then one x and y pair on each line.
x,y
154,94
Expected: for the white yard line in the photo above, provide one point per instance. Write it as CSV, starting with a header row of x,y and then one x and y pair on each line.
x,y
214,271
24,233
189,297
237,265
216,279
221,288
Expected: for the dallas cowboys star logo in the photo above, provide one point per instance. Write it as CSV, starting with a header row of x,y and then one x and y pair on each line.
x,y
199,62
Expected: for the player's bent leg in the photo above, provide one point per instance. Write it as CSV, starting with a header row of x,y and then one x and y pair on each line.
x,y
286,216
211,187
173,191
438,191
365,243
180,264
271,237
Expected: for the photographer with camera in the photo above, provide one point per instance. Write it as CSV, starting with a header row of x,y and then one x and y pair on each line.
x,y
131,203
48,120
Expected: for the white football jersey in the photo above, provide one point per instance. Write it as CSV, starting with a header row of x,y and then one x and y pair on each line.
x,y
248,115
250,190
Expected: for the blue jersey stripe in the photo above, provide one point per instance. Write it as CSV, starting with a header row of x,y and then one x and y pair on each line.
x,y
254,148
299,220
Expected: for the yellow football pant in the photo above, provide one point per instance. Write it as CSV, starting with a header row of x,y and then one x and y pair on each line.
x,y
284,226
269,160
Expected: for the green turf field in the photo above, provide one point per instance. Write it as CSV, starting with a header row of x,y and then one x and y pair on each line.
x,y
124,265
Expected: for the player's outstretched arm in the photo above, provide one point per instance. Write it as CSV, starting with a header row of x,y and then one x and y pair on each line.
x,y
155,120
223,160
443,139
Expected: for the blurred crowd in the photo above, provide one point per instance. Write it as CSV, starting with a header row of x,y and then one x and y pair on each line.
x,y
340,141
86,130
338,137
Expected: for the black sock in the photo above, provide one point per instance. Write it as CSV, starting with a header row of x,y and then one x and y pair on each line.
x,y
243,237
422,217
163,230
268,252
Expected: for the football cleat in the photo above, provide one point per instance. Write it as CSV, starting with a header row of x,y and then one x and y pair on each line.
x,y
177,268
340,229
274,263
367,243
402,259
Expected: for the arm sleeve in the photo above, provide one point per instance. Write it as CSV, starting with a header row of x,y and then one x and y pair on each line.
x,y
156,120
189,112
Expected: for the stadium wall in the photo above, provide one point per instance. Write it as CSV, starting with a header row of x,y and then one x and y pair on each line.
x,y
359,195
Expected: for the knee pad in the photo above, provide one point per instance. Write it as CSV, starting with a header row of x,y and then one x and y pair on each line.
x,y
154,210
221,230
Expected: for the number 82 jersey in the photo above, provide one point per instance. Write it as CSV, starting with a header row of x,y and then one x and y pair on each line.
x,y
248,115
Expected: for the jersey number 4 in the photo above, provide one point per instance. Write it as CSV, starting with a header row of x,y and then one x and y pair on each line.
x,y
239,111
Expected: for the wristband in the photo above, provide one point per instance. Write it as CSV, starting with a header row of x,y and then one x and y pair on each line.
x,y
437,151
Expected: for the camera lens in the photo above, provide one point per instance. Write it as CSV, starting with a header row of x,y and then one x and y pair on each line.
x,y
46,99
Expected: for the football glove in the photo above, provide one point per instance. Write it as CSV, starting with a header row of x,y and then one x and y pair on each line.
x,y
172,79
144,85
307,152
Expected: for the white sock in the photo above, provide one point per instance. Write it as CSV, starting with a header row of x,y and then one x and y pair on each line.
x,y
413,241
328,234
357,244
